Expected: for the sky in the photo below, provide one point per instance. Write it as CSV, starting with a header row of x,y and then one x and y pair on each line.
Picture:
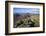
x,y
26,10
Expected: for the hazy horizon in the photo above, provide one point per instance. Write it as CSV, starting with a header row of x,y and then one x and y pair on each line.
x,y
26,10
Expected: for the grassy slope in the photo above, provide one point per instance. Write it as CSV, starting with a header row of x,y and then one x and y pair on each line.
x,y
25,23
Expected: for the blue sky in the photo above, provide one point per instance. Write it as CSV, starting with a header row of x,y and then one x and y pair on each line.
x,y
26,10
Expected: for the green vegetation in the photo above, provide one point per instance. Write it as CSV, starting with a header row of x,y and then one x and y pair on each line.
x,y
32,21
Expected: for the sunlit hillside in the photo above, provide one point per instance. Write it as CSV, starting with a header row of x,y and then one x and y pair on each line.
x,y
26,20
